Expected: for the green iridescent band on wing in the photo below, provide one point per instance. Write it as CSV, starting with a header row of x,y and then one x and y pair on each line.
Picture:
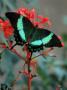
x,y
20,28
43,41
38,42
47,39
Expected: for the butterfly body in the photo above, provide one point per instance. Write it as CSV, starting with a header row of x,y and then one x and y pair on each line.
x,y
34,37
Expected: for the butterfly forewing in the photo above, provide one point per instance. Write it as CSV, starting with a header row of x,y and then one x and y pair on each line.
x,y
21,24
13,17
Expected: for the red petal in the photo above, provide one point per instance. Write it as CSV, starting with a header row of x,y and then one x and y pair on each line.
x,y
3,46
62,44
44,20
59,37
23,11
36,23
32,13
40,17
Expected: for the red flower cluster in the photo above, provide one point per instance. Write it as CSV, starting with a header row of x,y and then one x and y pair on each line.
x,y
31,15
25,12
6,28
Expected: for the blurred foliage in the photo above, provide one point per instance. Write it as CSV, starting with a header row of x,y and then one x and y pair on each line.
x,y
64,36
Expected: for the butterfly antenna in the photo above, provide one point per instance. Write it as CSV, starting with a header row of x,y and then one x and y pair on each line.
x,y
38,56
52,55
15,45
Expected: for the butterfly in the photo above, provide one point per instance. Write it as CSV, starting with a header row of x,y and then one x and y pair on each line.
x,y
35,37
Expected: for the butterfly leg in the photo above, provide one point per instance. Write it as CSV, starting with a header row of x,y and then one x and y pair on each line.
x,y
16,45
13,46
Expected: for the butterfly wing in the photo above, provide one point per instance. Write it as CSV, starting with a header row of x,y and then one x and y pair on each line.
x,y
39,37
22,25
44,37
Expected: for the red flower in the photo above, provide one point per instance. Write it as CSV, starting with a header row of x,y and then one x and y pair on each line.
x,y
7,28
36,23
23,11
43,20
31,15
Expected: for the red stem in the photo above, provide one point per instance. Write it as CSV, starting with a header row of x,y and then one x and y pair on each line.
x,y
58,88
29,72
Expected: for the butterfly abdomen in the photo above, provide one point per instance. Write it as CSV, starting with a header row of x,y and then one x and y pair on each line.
x,y
35,48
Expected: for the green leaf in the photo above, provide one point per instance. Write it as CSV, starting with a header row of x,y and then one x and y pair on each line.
x,y
64,36
44,76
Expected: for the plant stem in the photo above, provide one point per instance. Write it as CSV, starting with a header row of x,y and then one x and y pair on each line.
x,y
29,81
29,72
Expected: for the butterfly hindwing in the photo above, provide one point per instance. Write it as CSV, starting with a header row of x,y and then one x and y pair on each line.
x,y
42,36
46,38
54,42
